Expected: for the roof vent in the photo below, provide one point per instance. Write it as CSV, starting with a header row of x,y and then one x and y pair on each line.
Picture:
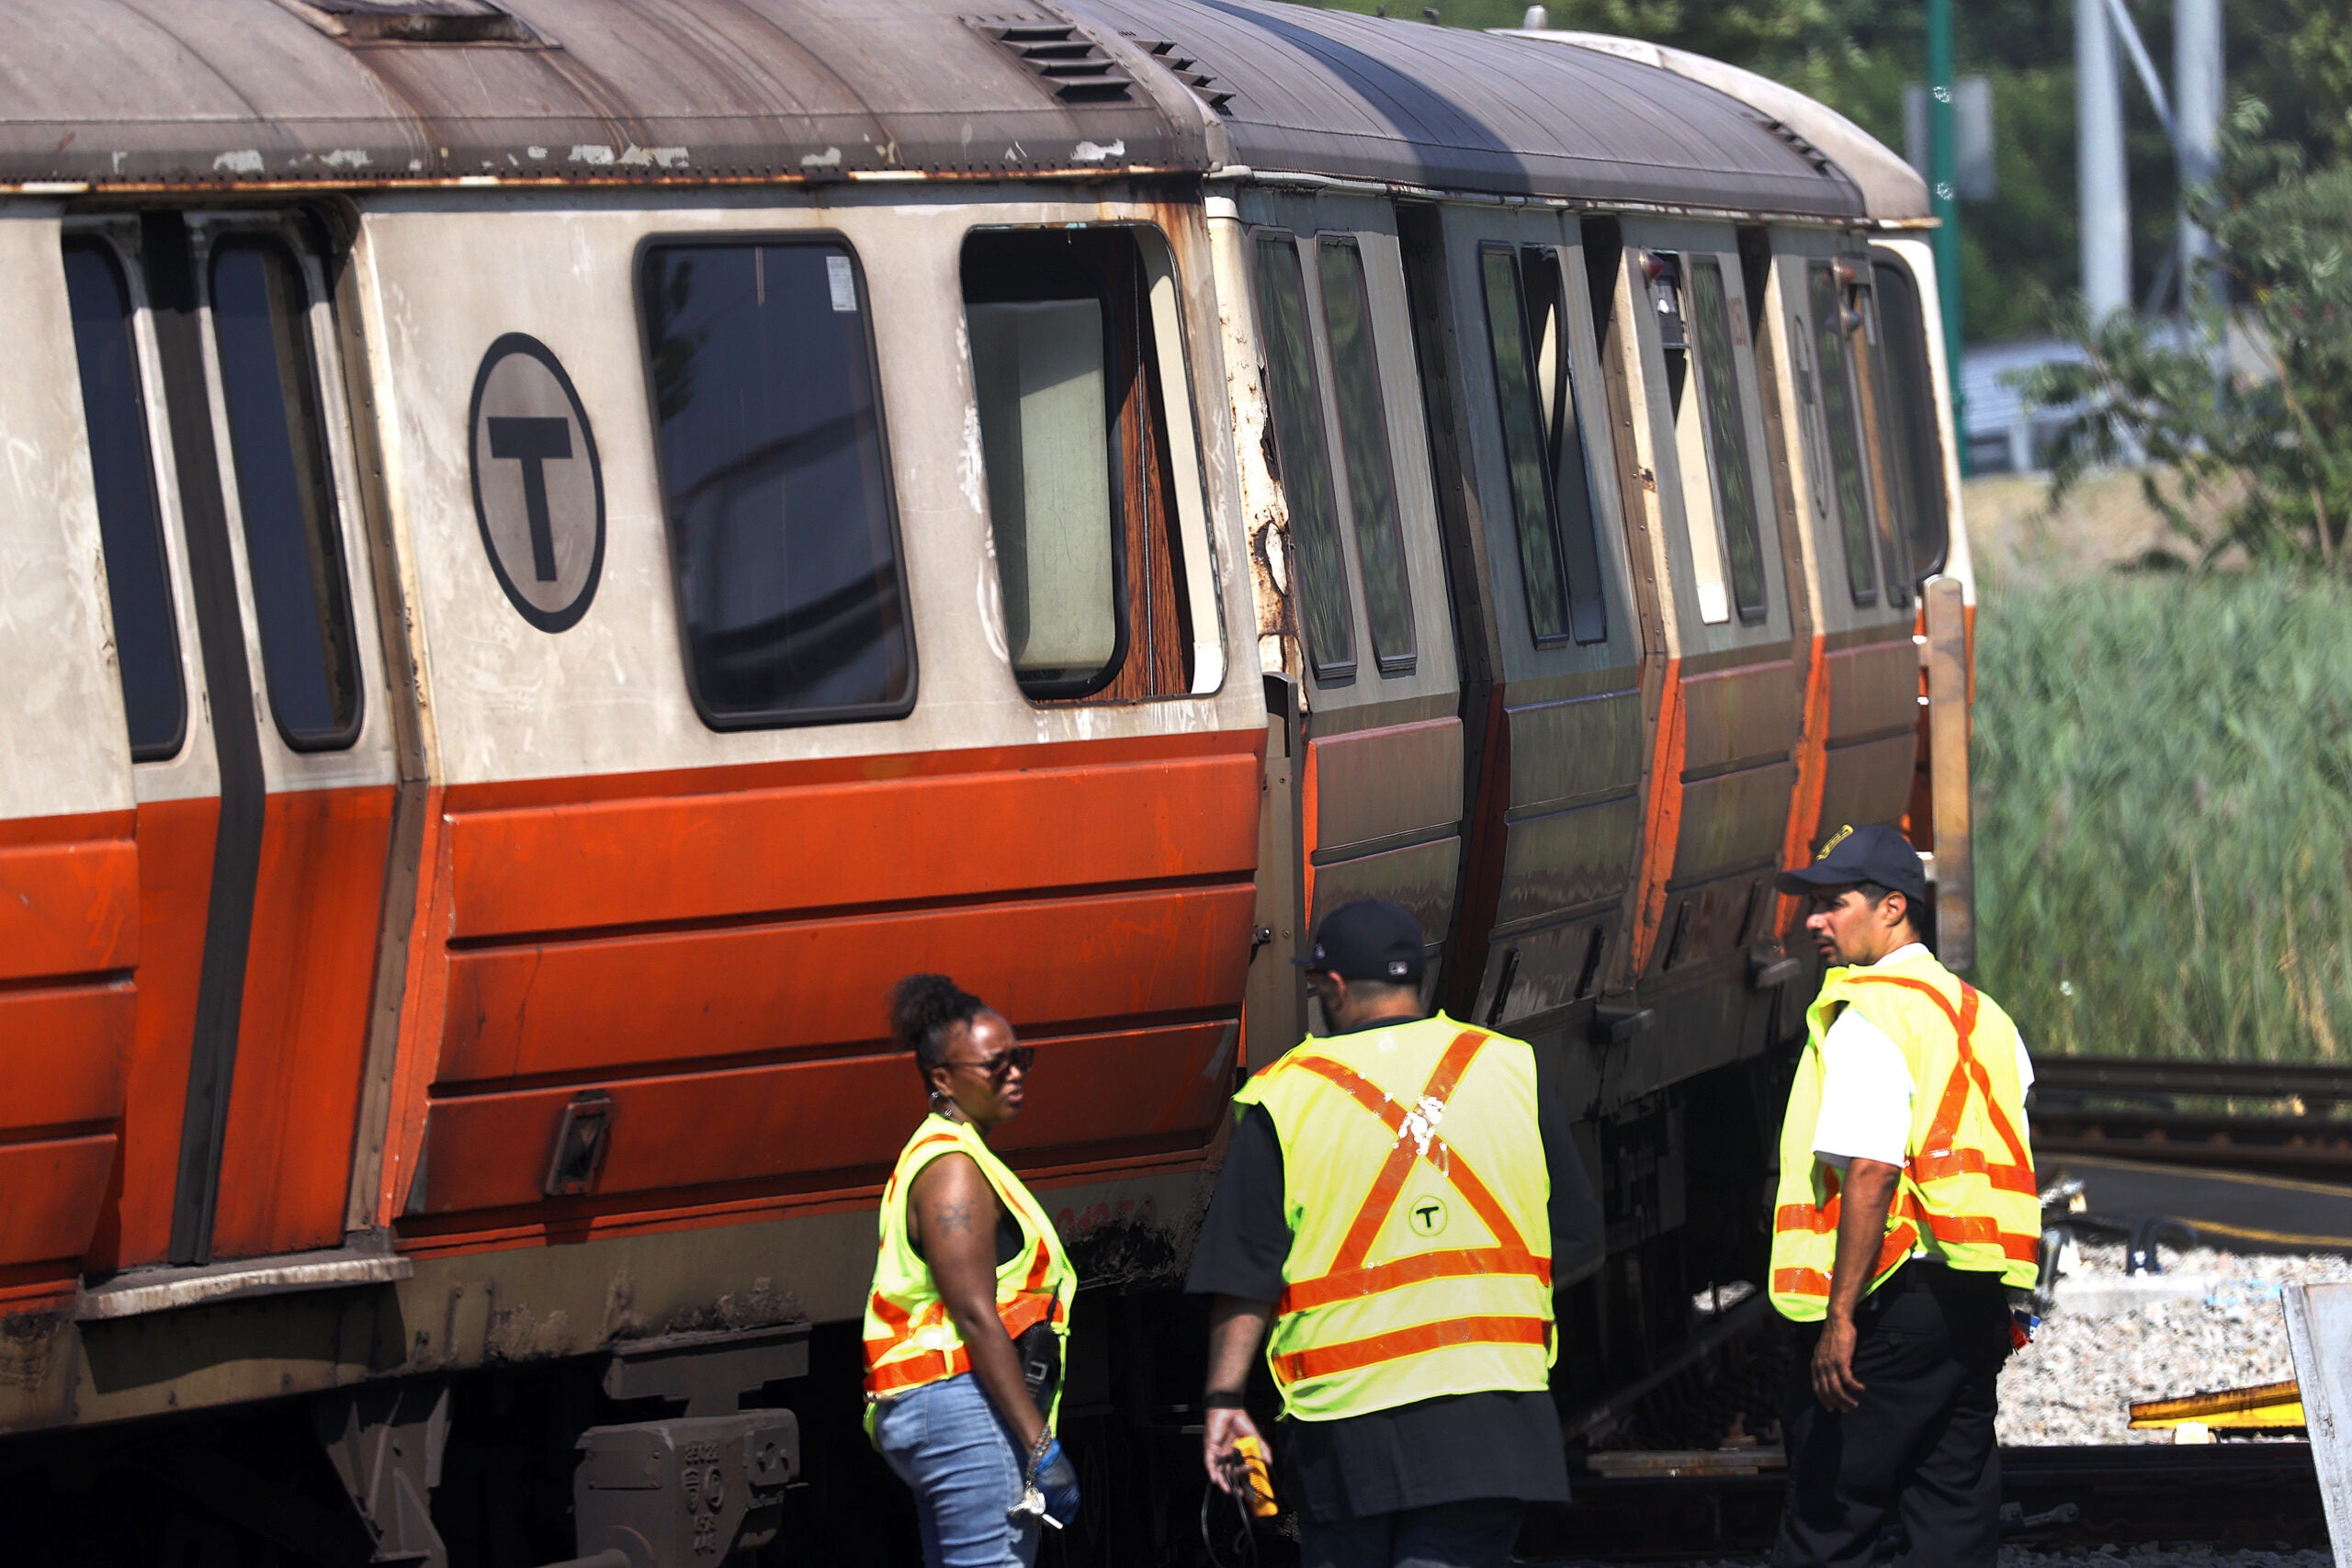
x,y
1071,65
415,21
1187,71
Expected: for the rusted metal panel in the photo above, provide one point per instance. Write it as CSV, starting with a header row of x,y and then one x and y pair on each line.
x,y
1359,97
241,92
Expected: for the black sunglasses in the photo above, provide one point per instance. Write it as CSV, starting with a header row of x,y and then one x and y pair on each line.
x,y
1014,1059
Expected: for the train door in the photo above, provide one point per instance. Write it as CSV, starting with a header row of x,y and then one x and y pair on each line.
x,y
69,852
1864,675
1735,681
1379,772
1551,643
257,719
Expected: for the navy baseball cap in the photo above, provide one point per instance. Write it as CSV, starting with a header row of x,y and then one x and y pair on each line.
x,y
1371,939
1862,854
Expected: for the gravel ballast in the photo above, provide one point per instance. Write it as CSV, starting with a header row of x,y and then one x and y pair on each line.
x,y
2212,1320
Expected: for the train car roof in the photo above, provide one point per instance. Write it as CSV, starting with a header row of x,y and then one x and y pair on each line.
x,y
1305,91
1891,189
245,92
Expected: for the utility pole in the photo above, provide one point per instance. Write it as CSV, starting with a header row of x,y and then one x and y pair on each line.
x,y
1943,194
2105,201
2196,115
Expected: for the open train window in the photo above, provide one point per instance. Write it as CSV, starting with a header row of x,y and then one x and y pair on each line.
x,y
1363,446
1849,490
1551,480
261,328
1915,460
1294,401
1074,434
775,482
131,527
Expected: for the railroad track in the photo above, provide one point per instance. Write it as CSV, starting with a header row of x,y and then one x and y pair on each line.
x,y
2263,1118
2238,1495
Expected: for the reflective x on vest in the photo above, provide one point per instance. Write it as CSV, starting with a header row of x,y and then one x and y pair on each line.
x,y
1350,1275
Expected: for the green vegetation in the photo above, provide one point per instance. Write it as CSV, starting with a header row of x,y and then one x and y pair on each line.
x,y
2164,773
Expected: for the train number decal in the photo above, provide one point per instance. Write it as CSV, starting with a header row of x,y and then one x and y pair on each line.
x,y
538,488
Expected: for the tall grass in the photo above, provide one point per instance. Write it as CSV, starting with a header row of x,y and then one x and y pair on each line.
x,y
2164,787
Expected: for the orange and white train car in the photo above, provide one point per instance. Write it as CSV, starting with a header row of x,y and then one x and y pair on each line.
x,y
552,549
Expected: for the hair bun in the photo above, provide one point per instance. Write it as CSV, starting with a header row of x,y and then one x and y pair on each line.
x,y
924,1007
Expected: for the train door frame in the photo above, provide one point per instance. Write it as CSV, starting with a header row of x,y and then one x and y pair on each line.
x,y
179,810
1736,677
1380,769
1864,676
1558,742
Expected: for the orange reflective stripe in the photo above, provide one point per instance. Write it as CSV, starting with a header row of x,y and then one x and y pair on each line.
x,y
1942,1165
1979,1230
1800,1283
1339,1285
912,1372
1326,1360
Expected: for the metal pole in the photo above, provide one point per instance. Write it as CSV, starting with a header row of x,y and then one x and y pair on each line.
x,y
1943,175
2100,175
2197,102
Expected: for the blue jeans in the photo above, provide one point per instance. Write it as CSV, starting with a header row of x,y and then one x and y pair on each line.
x,y
947,1442
1475,1534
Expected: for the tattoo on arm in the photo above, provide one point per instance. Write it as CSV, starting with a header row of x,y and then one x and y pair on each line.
x,y
952,1218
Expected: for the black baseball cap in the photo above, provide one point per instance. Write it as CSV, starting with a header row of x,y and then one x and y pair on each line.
x,y
1371,939
1862,854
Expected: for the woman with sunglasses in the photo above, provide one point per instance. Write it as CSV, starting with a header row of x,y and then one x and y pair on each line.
x,y
964,1328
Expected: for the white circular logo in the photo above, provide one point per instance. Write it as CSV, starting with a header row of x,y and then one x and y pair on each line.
x,y
538,489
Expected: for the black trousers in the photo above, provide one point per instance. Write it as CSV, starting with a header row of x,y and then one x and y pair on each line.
x,y
1920,1448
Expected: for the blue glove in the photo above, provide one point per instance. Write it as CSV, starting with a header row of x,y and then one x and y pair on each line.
x,y
1053,1477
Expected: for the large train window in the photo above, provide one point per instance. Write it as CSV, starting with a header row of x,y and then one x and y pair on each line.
x,y
1727,435
1914,457
1295,402
775,482
1848,490
1364,445
1551,480
261,327
130,529
1066,369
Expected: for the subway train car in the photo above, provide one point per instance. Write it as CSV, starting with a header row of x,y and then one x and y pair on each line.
x,y
555,547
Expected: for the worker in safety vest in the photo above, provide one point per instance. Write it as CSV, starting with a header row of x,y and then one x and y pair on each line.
x,y
970,1305
1399,1200
1907,1212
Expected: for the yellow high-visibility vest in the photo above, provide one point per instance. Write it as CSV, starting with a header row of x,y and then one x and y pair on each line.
x,y
1967,1196
1414,1183
910,1340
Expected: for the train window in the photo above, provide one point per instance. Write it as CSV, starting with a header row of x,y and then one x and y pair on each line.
x,y
1542,444
1915,460
130,528
286,492
1700,528
1572,480
775,484
1073,436
1727,435
1296,406
1849,494
1363,444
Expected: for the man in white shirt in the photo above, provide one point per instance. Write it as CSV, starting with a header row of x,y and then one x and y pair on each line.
x,y
1905,1210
